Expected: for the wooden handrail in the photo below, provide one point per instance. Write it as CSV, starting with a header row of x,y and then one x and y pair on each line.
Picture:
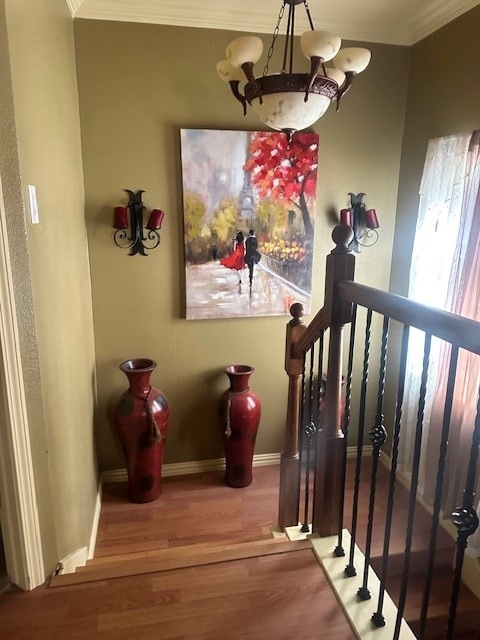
x,y
459,331
320,323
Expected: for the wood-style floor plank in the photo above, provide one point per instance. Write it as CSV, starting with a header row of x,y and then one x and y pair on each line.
x,y
286,597
181,558
256,595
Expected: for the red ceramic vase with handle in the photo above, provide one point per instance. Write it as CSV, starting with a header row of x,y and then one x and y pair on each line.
x,y
239,412
141,422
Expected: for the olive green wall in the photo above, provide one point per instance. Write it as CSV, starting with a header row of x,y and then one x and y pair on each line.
x,y
138,85
40,145
443,99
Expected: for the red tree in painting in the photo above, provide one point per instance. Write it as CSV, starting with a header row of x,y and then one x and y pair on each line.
x,y
285,172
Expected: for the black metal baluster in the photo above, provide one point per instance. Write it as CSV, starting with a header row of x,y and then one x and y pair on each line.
x,y
465,518
309,431
350,568
414,485
378,435
378,617
319,389
320,411
447,414
339,550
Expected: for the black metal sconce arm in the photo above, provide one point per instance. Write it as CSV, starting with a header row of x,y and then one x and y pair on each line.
x,y
131,234
364,222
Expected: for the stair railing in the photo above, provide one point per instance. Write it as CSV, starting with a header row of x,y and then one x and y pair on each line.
x,y
330,424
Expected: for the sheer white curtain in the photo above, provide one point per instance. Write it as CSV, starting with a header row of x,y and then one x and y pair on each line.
x,y
445,273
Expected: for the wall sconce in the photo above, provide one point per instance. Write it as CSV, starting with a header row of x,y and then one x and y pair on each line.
x,y
364,222
137,241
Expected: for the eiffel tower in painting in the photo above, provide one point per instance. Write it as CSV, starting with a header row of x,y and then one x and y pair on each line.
x,y
246,198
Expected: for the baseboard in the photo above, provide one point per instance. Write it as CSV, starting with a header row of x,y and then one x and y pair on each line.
x,y
217,464
79,558
76,559
195,466
96,519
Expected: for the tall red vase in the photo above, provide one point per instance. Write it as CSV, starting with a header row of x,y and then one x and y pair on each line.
x,y
239,412
141,421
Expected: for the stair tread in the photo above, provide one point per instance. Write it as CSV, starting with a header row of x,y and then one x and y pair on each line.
x,y
174,558
178,549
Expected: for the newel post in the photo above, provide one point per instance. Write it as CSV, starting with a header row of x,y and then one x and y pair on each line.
x,y
289,496
329,476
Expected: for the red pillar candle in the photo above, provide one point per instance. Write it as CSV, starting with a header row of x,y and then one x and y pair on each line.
x,y
371,219
346,217
155,220
121,218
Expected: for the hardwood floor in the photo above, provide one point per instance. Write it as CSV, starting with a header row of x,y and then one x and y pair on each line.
x,y
192,509
200,563
276,589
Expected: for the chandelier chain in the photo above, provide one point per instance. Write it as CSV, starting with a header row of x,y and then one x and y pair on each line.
x,y
275,34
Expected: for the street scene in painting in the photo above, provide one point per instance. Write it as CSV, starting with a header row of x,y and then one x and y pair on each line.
x,y
249,206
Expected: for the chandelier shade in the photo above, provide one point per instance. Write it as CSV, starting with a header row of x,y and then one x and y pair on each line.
x,y
279,101
322,44
352,60
245,49
290,101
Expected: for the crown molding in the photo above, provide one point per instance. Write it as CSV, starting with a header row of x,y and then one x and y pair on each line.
x,y
221,16
232,19
437,16
73,6
186,15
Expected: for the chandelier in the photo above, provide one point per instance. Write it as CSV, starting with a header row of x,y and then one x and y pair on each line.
x,y
288,101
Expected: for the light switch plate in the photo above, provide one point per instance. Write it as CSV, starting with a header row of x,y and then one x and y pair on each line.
x,y
32,199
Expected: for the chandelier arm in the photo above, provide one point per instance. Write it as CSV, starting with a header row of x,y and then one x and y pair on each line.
x,y
349,76
234,84
248,71
309,16
247,68
292,36
287,40
315,62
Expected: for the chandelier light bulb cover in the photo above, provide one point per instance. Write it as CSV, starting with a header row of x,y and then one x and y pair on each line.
x,y
287,100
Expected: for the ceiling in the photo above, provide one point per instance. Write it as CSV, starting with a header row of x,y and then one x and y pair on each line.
x,y
388,21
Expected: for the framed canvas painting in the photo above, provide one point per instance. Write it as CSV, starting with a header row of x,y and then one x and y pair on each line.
x,y
249,208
